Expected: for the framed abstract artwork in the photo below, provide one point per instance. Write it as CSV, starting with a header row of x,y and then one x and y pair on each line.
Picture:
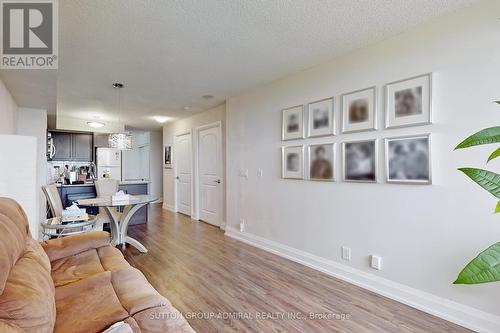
x,y
359,110
409,102
321,120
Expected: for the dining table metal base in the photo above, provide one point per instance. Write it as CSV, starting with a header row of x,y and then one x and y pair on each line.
x,y
119,226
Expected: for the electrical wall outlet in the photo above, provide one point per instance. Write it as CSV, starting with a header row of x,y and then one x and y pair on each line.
x,y
376,262
346,253
260,173
242,225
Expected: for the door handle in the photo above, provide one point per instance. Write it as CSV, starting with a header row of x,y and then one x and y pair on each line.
x,y
217,181
177,178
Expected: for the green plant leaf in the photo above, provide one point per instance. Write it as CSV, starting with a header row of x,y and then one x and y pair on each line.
x,y
482,269
498,102
488,180
497,208
494,155
484,137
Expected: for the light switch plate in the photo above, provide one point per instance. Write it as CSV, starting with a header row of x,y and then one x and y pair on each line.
x,y
346,253
376,262
260,172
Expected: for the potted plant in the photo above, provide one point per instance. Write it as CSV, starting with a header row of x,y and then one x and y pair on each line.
x,y
486,266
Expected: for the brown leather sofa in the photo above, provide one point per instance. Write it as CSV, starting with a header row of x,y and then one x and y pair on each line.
x,y
74,284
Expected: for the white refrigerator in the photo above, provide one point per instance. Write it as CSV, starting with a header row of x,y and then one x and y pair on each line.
x,y
109,163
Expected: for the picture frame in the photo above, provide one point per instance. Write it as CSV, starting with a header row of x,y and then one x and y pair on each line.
x,y
321,117
322,168
292,123
408,159
360,161
167,156
292,162
359,110
408,102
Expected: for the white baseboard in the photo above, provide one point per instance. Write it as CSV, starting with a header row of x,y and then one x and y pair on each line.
x,y
454,312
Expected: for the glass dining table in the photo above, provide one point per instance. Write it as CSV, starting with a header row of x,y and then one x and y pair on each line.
x,y
120,220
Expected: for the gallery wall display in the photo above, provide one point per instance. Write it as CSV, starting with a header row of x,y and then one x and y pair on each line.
x,y
360,161
409,102
408,159
359,110
292,126
322,162
321,118
292,162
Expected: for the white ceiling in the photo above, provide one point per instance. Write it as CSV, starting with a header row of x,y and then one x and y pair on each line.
x,y
170,53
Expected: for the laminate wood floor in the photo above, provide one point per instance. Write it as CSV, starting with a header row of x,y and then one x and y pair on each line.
x,y
223,285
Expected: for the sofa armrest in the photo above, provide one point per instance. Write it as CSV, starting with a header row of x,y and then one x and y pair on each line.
x,y
71,245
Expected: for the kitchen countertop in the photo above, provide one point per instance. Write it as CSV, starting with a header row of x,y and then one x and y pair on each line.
x,y
124,182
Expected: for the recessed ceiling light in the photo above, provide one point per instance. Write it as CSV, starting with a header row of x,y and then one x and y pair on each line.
x,y
161,119
207,96
95,124
186,107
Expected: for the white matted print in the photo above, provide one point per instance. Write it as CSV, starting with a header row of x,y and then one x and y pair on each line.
x,y
292,126
322,162
360,161
408,159
321,118
359,110
409,102
292,161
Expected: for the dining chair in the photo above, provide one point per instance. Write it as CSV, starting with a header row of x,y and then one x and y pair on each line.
x,y
53,227
54,199
105,188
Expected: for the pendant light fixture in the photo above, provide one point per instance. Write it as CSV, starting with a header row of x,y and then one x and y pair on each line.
x,y
121,140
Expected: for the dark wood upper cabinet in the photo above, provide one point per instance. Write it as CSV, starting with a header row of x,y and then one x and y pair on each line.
x,y
73,146
81,147
62,143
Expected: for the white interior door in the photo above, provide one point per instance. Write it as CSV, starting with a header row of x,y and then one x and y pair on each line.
x,y
183,173
209,171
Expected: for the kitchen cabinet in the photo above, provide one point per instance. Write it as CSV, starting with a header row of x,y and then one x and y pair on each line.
x,y
81,146
72,146
71,193
62,142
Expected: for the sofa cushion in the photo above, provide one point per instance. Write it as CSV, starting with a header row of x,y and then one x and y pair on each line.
x,y
28,297
134,291
85,264
87,306
75,268
111,258
13,234
71,245
7,327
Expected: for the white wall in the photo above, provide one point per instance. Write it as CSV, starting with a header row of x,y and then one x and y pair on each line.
x,y
8,110
33,122
425,234
171,129
156,163
18,175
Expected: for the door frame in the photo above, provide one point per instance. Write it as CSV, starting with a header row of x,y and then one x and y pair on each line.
x,y
174,164
196,160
